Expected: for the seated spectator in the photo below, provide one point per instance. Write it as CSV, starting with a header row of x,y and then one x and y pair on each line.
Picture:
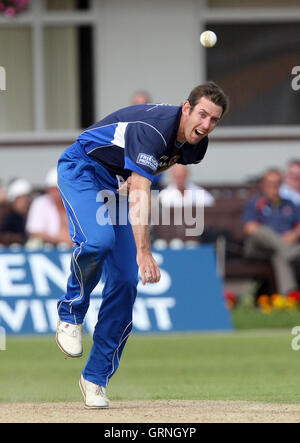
x,y
175,195
180,195
290,188
14,222
47,220
272,226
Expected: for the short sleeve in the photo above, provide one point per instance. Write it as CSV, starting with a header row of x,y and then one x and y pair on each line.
x,y
144,145
43,217
35,217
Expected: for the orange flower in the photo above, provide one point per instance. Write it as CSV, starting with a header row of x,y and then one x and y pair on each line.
x,y
263,300
264,303
278,301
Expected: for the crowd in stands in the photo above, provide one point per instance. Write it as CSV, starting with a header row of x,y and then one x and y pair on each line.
x,y
270,219
272,227
28,217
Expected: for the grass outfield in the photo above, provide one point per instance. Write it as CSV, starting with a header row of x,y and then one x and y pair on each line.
x,y
253,318
244,365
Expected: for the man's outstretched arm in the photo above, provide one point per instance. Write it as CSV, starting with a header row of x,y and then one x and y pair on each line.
x,y
140,210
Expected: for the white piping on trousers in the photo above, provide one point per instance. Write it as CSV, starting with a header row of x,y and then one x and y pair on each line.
x,y
116,350
74,258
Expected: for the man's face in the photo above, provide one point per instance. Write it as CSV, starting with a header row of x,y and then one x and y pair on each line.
x,y
271,184
21,204
198,122
293,176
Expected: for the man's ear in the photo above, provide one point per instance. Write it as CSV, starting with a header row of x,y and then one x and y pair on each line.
x,y
186,108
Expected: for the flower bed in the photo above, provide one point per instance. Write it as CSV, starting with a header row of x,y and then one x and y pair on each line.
x,y
268,303
278,302
267,312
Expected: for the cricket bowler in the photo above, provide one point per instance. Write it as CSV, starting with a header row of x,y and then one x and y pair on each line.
x,y
126,149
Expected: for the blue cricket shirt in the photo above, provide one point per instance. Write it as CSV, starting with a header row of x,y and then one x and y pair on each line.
x,y
140,138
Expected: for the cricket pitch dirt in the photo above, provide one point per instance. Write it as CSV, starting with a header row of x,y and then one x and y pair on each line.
x,y
173,411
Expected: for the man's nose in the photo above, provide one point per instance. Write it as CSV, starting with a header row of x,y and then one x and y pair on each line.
x,y
205,123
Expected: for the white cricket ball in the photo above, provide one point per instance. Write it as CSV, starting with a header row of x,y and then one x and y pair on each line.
x,y
208,39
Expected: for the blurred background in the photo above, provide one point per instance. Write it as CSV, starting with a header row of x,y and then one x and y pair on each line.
x,y
69,63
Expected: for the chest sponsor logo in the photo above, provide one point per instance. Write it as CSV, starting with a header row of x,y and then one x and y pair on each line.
x,y
147,160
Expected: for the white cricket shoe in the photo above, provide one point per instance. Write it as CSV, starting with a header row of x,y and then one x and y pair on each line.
x,y
94,395
69,339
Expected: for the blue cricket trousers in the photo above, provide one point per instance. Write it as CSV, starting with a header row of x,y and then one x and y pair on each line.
x,y
106,249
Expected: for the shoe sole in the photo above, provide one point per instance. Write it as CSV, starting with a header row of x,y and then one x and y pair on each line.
x,y
85,405
65,352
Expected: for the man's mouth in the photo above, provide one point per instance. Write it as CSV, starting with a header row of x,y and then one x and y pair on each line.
x,y
199,133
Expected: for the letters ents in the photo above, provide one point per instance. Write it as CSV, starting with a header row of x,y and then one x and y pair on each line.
x,y
31,284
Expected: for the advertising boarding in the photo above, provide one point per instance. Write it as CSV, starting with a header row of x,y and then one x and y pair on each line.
x,y
187,298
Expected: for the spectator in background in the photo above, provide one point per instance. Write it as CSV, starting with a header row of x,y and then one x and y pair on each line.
x,y
141,98
290,188
47,219
175,195
14,222
272,226
183,193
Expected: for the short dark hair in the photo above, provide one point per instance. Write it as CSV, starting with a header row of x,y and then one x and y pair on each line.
x,y
213,92
271,171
